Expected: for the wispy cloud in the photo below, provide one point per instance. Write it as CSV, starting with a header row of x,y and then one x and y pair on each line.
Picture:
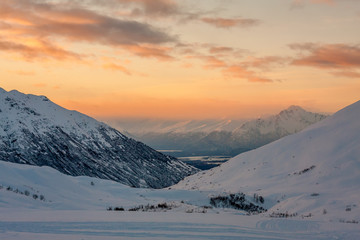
x,y
347,74
24,73
230,22
330,56
41,50
154,8
301,3
117,67
265,62
152,51
220,50
241,72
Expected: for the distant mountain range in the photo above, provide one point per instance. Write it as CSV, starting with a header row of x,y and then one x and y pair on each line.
x,y
217,137
36,131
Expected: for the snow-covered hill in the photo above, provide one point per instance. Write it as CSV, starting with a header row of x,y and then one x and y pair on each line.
x,y
34,130
313,172
32,187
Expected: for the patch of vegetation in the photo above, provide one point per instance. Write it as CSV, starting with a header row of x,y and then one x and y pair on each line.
x,y
145,208
237,201
348,221
27,193
307,215
305,170
282,215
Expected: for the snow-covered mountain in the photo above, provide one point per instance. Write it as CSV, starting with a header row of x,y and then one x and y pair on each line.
x,y
315,171
288,121
261,131
35,131
219,137
139,126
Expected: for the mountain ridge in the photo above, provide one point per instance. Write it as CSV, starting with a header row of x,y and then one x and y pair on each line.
x,y
240,136
36,131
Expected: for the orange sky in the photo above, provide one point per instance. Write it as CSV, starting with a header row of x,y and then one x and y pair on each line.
x,y
182,58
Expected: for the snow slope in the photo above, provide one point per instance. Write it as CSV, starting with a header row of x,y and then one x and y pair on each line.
x,y
313,172
73,208
64,192
36,131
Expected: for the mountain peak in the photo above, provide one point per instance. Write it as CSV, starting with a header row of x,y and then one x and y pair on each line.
x,y
294,108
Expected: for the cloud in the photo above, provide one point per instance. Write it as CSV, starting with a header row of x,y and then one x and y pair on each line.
x,y
241,72
24,73
265,62
60,20
230,22
116,67
347,74
158,52
328,56
157,8
42,50
231,61
212,62
301,3
220,50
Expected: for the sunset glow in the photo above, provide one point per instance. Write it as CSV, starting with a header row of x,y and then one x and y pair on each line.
x,y
182,58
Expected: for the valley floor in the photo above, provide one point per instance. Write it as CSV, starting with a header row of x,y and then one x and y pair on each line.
x,y
27,224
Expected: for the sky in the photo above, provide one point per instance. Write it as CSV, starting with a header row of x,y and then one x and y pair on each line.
x,y
182,59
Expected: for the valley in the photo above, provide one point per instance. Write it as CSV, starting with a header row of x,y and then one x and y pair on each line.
x,y
303,185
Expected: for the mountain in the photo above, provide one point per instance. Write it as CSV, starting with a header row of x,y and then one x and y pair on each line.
x,y
141,126
35,131
218,137
315,171
258,132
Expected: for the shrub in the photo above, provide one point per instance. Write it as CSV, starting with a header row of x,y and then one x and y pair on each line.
x,y
236,201
119,209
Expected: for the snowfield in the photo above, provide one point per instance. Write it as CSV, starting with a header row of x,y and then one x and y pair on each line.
x,y
94,225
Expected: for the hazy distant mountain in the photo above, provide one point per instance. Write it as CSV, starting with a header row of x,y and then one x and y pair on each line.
x,y
313,172
218,137
143,126
34,130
